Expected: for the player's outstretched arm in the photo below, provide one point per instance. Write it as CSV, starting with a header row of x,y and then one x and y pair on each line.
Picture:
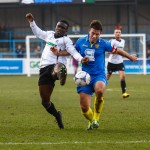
x,y
29,17
125,54
35,29
65,53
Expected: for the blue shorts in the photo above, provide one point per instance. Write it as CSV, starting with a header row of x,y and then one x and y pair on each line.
x,y
89,89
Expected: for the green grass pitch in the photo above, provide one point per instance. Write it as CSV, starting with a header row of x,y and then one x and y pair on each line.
x,y
25,125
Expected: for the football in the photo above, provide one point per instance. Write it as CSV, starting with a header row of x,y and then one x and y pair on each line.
x,y
82,78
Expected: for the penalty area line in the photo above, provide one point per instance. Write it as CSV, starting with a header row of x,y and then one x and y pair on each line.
x,y
61,143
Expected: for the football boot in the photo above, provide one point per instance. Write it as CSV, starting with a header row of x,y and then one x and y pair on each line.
x,y
125,95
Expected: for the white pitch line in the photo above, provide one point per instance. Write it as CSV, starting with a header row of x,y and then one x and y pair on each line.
x,y
61,143
114,90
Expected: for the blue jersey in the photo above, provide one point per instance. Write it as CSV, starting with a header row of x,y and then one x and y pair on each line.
x,y
96,54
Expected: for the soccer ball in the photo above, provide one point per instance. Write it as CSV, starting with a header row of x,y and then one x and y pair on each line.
x,y
82,78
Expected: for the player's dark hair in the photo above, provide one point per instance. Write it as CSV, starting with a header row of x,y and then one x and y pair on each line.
x,y
66,22
96,24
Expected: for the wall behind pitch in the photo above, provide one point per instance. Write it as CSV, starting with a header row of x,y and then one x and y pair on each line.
x,y
47,15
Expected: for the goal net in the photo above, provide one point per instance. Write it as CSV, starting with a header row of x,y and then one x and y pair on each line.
x,y
134,44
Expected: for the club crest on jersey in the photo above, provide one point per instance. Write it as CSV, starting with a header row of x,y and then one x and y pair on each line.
x,y
96,45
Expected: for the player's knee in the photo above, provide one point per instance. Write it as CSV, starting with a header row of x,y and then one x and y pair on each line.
x,y
45,104
84,108
123,79
99,93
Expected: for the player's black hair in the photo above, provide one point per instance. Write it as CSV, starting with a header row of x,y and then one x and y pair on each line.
x,y
96,24
66,22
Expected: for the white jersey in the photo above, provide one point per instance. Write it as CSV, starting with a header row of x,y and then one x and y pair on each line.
x,y
115,58
62,43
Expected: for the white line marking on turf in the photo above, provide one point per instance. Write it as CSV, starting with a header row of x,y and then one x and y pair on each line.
x,y
61,143
114,90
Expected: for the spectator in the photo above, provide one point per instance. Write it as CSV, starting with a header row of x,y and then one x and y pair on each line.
x,y
76,29
19,51
37,52
148,54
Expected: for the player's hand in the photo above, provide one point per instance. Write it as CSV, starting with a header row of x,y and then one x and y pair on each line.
x,y
54,50
85,60
133,57
29,17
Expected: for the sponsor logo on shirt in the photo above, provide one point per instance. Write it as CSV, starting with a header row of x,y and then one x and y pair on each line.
x,y
89,53
85,45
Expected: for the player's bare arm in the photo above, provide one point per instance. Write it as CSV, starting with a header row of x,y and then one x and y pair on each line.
x,y
125,54
29,17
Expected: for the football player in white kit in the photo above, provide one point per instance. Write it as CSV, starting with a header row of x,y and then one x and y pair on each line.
x,y
115,62
52,66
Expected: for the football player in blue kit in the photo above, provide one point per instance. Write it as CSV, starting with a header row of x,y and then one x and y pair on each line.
x,y
94,47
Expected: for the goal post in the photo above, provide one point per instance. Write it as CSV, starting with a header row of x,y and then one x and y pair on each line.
x,y
27,40
134,44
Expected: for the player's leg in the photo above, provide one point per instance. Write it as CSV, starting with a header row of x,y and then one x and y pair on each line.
x,y
60,73
98,102
75,69
109,70
123,84
75,65
46,85
108,75
45,93
87,112
122,80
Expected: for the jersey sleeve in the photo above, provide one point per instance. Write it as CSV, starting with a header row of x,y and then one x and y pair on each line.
x,y
37,31
115,45
77,45
71,49
123,43
108,46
